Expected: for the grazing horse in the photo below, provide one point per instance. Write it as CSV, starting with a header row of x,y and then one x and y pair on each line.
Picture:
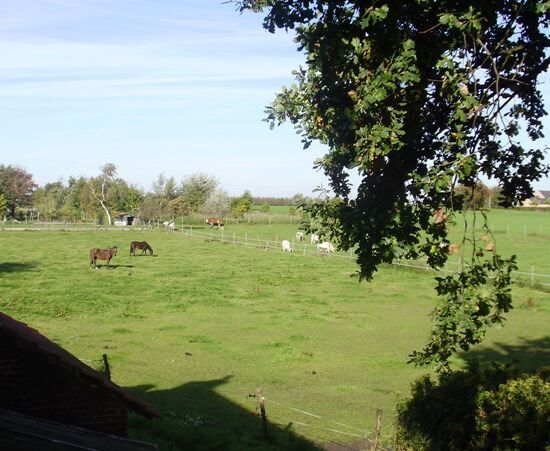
x,y
102,254
143,245
214,222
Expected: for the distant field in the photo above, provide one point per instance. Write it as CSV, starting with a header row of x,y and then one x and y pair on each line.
x,y
198,327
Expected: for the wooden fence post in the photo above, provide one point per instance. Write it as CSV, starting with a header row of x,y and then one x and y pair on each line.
x,y
106,366
261,404
374,444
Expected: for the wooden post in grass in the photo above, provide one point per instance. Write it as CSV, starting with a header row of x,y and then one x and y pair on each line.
x,y
261,404
374,443
106,366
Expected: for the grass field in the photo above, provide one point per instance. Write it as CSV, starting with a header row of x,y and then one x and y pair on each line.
x,y
197,328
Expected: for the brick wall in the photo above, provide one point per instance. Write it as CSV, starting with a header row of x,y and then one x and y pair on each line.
x,y
34,384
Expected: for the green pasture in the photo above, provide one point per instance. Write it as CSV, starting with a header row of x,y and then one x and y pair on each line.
x,y
525,234
198,327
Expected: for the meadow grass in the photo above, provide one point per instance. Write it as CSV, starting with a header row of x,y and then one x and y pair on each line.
x,y
198,327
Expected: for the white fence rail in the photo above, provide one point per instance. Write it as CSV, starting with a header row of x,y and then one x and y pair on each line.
x,y
304,248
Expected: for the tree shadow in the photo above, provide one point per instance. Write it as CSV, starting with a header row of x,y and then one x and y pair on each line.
x,y
196,417
7,267
528,355
112,266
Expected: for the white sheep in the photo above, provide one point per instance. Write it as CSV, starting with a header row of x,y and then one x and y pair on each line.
x,y
285,244
300,236
314,238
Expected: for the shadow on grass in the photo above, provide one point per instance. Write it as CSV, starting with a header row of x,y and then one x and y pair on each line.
x,y
196,417
528,355
7,267
111,266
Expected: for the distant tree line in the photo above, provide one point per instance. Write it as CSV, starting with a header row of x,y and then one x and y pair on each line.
x,y
107,196
295,200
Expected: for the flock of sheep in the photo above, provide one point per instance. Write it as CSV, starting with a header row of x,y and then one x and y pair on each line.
x,y
324,246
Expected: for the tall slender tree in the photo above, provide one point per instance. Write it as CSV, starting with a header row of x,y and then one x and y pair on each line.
x,y
99,188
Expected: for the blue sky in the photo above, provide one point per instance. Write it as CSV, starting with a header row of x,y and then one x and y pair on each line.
x,y
154,86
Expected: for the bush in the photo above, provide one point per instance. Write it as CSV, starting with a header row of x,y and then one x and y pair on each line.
x,y
472,409
516,415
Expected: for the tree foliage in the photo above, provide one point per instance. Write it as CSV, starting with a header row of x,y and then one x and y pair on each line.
x,y
418,97
473,197
17,186
217,204
241,205
3,205
196,189
494,408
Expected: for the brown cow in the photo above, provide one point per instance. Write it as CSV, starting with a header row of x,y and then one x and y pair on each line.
x,y
214,222
102,254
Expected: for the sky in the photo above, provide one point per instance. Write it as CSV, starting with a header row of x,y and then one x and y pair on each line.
x,y
153,86
171,87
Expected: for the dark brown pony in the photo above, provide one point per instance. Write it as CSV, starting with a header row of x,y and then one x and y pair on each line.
x,y
143,245
102,254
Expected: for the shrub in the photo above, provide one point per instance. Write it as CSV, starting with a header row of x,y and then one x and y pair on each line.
x,y
472,409
516,415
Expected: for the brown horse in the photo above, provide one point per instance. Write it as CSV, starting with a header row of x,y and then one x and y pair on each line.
x,y
102,254
143,245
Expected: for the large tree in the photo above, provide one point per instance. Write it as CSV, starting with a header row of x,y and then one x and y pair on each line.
x,y
17,186
49,199
418,97
196,189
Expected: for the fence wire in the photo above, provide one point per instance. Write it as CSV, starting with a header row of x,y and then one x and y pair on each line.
x,y
305,249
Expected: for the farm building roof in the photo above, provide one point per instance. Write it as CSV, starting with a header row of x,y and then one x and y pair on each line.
x,y
545,193
18,432
34,341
